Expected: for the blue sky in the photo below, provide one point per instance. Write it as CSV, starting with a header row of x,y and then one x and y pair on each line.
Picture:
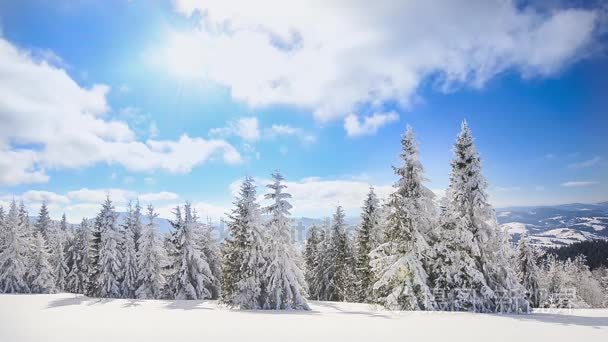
x,y
175,101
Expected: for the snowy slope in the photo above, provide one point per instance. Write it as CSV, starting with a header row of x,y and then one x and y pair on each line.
x,y
67,318
552,226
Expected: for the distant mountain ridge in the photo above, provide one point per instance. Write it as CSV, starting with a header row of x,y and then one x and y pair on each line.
x,y
547,226
557,225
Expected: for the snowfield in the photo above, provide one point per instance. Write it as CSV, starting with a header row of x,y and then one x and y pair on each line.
x,y
68,317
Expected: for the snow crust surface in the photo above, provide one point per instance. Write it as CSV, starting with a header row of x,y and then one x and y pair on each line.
x,y
71,318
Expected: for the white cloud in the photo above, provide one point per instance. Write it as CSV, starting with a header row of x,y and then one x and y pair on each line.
x,y
17,167
158,196
249,130
64,126
572,184
586,163
246,128
278,130
282,130
74,213
43,196
99,195
317,197
153,130
120,196
86,202
340,57
370,124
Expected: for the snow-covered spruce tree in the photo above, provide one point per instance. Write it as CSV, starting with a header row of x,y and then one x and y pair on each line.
x,y
320,276
41,273
27,231
211,252
43,223
243,253
399,264
106,278
2,227
190,276
61,268
284,279
138,226
94,248
24,221
553,284
312,259
65,231
339,274
151,260
528,270
57,239
472,264
561,284
79,254
601,275
13,259
130,269
365,242
172,246
587,287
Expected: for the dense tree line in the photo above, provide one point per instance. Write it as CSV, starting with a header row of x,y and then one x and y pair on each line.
x,y
595,252
407,253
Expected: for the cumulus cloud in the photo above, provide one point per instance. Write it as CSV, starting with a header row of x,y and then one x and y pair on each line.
x,y
370,124
337,58
246,128
574,184
51,122
280,130
44,196
249,130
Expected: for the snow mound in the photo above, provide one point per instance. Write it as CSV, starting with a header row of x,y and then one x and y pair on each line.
x,y
71,318
564,233
514,227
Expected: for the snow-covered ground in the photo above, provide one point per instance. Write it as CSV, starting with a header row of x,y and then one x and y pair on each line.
x,y
67,318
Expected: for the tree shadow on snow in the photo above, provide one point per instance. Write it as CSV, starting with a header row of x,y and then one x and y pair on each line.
x,y
275,312
186,305
351,312
131,303
564,319
77,300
